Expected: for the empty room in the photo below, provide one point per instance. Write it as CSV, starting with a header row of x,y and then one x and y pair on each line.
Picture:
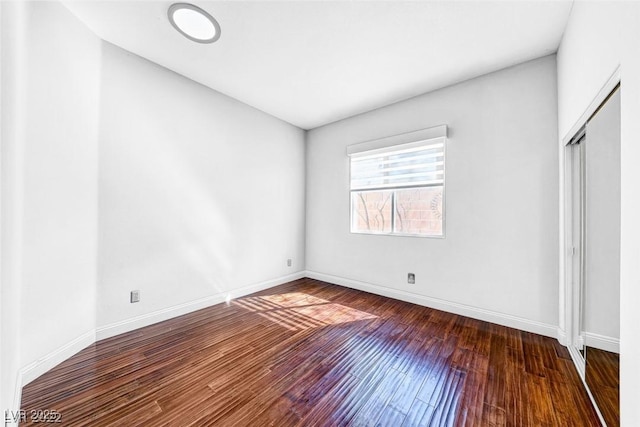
x,y
320,213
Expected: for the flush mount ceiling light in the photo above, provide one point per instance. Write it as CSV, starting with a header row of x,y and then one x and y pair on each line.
x,y
194,23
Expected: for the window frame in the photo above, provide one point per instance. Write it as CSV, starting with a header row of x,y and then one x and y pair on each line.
x,y
397,141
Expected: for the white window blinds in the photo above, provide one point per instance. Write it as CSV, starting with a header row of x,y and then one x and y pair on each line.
x,y
416,164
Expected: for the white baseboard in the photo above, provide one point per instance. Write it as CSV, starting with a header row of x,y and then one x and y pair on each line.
x,y
439,304
562,337
43,364
33,370
603,342
237,293
127,325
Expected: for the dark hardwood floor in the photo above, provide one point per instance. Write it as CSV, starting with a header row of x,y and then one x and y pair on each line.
x,y
603,378
309,353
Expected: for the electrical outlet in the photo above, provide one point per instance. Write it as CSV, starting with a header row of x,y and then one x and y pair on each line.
x,y
135,296
411,278
289,262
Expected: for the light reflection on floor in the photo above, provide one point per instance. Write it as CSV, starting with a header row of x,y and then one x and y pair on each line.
x,y
297,310
440,386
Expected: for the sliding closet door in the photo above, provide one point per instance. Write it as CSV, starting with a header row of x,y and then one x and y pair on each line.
x,y
602,262
603,221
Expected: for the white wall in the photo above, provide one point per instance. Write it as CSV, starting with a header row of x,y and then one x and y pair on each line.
x,y
11,85
49,192
200,195
59,241
60,198
499,256
601,36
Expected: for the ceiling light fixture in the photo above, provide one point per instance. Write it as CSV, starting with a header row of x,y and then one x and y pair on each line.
x,y
194,23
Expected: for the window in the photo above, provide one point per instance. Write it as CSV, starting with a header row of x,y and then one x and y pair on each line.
x,y
398,188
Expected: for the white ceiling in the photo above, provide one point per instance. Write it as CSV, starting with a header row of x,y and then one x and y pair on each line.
x,y
314,62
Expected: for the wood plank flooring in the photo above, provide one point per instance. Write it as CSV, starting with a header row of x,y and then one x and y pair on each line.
x,y
308,353
603,378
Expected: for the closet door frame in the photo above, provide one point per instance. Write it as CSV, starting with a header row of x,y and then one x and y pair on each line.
x,y
569,315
